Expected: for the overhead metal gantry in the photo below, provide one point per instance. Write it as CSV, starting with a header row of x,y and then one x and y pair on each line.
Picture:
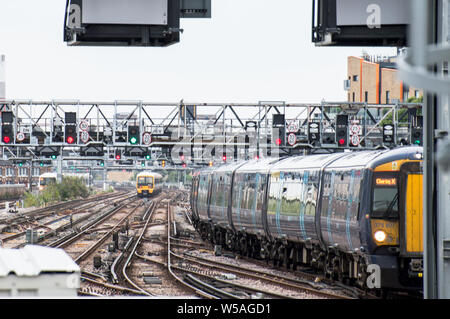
x,y
197,133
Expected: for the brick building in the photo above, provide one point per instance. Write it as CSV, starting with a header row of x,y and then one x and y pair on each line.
x,y
374,80
11,173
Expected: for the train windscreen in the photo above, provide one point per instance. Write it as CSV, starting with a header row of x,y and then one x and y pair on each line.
x,y
385,195
145,181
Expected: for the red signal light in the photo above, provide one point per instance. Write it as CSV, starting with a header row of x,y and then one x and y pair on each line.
x,y
278,141
341,141
184,165
117,157
70,139
224,158
6,139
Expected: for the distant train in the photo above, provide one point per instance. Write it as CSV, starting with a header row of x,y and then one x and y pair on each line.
x,y
46,179
357,215
148,183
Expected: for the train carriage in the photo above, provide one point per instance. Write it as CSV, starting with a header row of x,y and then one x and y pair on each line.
x,y
46,179
148,183
346,213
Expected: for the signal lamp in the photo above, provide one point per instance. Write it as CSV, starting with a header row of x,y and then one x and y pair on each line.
x,y
41,164
210,163
133,140
20,164
70,139
163,163
341,141
148,157
224,157
118,157
53,156
184,165
6,139
278,141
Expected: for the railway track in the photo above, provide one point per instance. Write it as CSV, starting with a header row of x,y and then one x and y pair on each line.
x,y
52,223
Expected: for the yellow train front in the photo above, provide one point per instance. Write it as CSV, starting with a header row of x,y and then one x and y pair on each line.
x,y
148,183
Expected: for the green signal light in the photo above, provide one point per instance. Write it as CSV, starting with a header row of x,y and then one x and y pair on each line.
x,y
41,164
133,140
143,164
20,164
148,157
53,156
417,142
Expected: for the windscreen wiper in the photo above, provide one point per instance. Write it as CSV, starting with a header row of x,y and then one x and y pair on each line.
x,y
390,206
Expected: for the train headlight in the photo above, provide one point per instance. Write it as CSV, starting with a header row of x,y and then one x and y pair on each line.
x,y
380,236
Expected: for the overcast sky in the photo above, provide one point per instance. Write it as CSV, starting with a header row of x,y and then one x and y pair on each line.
x,y
249,51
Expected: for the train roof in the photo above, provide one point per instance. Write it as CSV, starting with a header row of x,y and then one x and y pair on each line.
x,y
372,159
260,165
305,162
156,175
48,174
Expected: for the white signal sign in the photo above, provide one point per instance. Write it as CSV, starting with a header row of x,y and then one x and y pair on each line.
x,y
354,140
356,129
20,137
84,136
146,138
84,125
293,126
292,139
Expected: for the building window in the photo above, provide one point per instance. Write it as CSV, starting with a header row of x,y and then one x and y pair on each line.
x,y
36,171
387,97
366,96
353,95
23,171
355,78
9,171
405,96
416,94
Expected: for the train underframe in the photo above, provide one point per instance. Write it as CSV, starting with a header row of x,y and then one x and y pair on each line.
x,y
351,269
348,268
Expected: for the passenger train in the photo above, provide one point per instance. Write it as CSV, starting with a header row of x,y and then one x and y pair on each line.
x,y
355,215
148,183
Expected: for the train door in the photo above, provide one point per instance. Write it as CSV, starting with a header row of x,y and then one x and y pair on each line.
x,y
411,217
411,190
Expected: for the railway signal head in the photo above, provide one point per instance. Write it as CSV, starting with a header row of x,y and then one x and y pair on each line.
x,y
71,134
133,134
117,155
342,130
7,133
416,136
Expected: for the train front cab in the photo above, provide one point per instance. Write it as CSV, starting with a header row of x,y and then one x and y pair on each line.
x,y
145,186
396,224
